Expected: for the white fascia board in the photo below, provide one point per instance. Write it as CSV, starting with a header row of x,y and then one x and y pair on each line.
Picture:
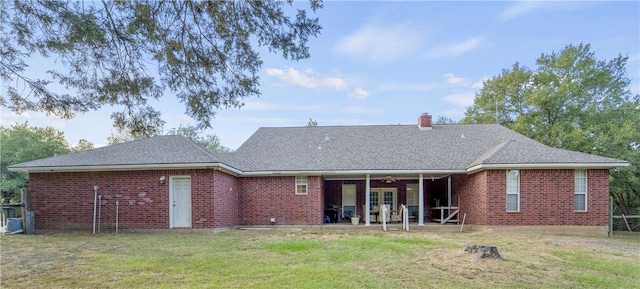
x,y
350,172
137,167
482,167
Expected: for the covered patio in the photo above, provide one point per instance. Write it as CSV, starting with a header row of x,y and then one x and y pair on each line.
x,y
427,196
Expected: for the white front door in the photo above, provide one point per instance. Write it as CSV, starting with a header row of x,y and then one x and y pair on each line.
x,y
180,202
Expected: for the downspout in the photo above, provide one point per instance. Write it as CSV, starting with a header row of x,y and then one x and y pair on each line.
x,y
117,211
99,211
95,203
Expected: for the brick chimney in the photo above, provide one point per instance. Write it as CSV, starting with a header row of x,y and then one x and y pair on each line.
x,y
424,121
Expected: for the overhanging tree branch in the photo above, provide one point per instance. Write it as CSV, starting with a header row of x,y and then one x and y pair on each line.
x,y
126,52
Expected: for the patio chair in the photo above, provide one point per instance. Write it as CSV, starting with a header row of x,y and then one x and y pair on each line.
x,y
397,215
372,214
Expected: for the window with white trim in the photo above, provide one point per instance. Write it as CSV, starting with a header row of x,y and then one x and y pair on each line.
x,y
580,201
348,201
412,194
413,199
513,191
301,185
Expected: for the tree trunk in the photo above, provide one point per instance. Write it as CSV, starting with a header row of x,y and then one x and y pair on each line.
x,y
483,251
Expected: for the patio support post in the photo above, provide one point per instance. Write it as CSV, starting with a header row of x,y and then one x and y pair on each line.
x,y
421,200
367,214
448,196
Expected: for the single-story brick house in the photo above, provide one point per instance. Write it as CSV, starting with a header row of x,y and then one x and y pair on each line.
x,y
292,175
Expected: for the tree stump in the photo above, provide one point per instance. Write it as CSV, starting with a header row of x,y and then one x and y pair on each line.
x,y
483,251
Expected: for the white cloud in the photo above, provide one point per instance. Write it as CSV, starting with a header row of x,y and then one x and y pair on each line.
x,y
335,83
460,99
35,119
307,79
359,93
453,79
379,44
520,8
264,106
455,49
466,46
480,83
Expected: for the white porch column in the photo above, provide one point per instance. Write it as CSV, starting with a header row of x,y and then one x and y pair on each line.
x,y
367,214
421,200
449,196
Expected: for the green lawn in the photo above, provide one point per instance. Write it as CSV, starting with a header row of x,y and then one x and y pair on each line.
x,y
315,259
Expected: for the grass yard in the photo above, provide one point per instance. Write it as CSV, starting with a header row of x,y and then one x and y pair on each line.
x,y
315,259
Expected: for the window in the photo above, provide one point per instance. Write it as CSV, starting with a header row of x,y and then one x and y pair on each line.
x,y
513,191
413,199
412,194
373,200
348,201
301,185
580,202
388,199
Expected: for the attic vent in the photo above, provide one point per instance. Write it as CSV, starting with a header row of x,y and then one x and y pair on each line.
x,y
327,138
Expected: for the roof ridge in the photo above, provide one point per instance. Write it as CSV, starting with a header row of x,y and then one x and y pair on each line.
x,y
380,125
201,147
490,153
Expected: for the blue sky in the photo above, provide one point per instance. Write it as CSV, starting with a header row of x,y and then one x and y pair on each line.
x,y
387,62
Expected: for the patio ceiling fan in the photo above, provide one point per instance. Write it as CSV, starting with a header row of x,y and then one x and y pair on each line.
x,y
388,180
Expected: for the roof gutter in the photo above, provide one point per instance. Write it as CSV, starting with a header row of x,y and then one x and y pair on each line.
x,y
349,172
481,167
137,167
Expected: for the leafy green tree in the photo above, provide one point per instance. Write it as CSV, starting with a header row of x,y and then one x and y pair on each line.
x,y
312,122
22,143
123,135
445,120
209,141
126,53
574,101
83,145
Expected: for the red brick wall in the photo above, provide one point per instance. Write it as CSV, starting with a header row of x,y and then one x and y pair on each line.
x,y
546,198
263,198
597,198
65,200
471,191
226,192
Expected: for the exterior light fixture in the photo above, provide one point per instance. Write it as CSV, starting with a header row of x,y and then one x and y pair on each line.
x,y
162,178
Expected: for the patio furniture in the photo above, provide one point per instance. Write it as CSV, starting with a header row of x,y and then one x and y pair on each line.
x,y
373,214
397,215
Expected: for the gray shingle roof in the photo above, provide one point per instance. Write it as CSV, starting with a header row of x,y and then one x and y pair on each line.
x,y
340,149
396,147
154,151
